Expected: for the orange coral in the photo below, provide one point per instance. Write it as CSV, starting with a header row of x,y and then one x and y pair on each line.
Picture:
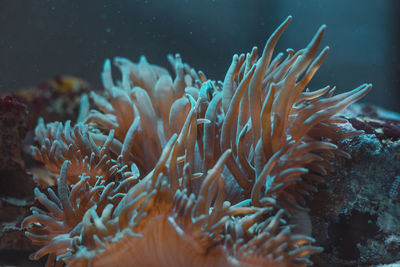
x,y
188,171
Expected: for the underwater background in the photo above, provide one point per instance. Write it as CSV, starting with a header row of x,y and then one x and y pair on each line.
x,y
40,39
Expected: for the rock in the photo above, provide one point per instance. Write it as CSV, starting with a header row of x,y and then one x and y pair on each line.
x,y
356,213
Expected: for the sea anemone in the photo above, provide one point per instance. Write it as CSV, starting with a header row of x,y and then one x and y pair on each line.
x,y
189,171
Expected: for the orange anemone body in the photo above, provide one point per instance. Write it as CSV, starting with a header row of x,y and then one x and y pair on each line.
x,y
190,171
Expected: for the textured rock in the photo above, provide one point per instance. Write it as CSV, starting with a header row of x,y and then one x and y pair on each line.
x,y
13,129
16,184
356,214
14,181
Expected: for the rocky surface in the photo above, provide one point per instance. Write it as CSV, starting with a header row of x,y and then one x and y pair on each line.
x,y
16,184
356,213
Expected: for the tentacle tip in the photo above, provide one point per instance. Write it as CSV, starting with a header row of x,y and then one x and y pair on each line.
x,y
366,88
107,64
36,191
142,58
227,152
40,121
65,164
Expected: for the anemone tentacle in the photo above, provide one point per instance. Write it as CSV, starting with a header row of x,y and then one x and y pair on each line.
x,y
187,171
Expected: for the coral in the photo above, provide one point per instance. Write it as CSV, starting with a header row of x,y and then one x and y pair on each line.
x,y
189,171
